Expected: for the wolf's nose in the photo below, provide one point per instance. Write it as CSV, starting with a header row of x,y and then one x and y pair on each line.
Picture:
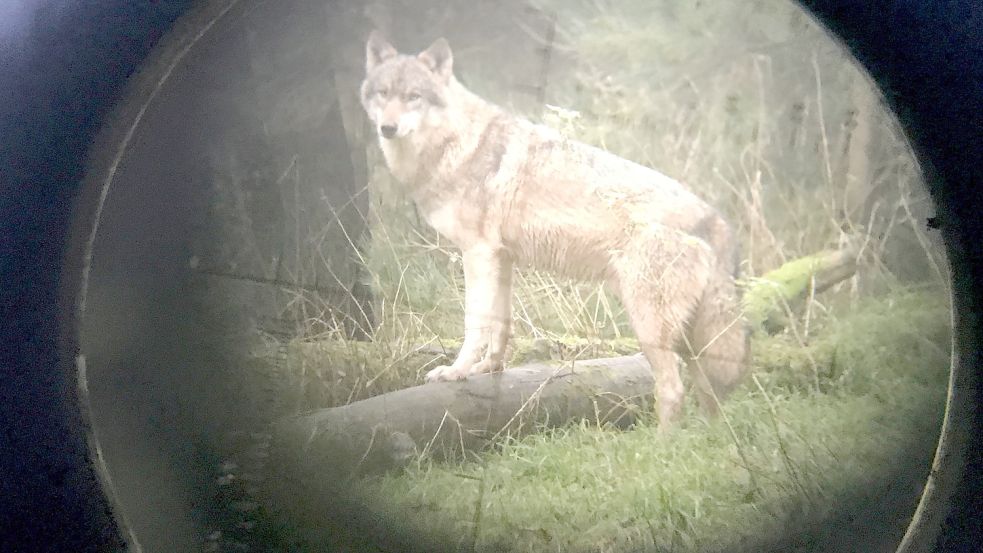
x,y
388,131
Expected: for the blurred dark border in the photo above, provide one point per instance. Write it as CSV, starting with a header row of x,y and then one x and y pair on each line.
x,y
60,76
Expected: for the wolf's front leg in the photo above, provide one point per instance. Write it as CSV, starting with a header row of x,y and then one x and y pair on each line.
x,y
487,314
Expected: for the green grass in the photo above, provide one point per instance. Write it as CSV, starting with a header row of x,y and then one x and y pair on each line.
x,y
589,489
813,424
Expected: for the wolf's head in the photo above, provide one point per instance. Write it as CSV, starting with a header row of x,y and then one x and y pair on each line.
x,y
403,94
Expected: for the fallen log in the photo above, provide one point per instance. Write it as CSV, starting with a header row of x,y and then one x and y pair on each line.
x,y
450,418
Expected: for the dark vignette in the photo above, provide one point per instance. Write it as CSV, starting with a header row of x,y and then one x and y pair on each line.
x,y
57,87
927,58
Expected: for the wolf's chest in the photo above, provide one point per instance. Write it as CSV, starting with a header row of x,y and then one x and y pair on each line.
x,y
444,218
464,224
402,159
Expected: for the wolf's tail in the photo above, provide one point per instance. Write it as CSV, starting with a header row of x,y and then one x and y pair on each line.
x,y
719,337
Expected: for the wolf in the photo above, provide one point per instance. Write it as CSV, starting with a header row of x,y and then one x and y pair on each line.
x,y
509,193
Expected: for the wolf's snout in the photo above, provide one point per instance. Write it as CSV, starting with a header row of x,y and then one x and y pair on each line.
x,y
388,131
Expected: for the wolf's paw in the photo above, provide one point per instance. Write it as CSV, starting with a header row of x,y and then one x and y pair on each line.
x,y
445,372
486,366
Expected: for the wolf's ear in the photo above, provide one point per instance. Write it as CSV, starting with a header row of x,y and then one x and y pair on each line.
x,y
438,58
377,51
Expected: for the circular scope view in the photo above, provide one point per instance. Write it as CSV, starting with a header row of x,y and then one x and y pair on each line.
x,y
528,275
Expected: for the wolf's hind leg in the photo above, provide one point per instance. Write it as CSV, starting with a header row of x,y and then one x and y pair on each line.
x,y
659,307
717,343
487,314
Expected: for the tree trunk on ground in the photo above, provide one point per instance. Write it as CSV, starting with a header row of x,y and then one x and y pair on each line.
x,y
448,418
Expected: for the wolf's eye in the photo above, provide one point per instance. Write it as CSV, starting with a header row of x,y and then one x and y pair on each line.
x,y
412,97
383,93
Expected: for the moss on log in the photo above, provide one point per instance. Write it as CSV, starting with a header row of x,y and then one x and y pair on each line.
x,y
769,298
